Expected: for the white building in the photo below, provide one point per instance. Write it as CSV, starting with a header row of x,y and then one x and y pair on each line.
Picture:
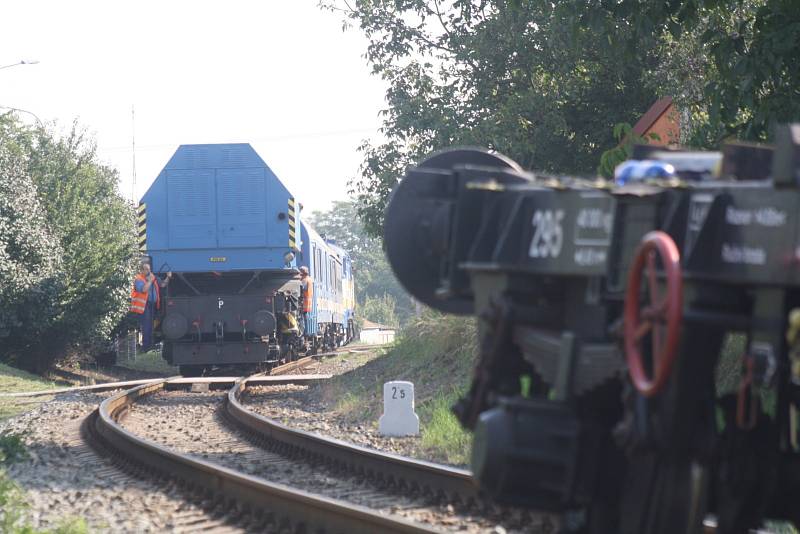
x,y
376,334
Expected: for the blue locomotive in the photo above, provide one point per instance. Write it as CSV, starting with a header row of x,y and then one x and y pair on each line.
x,y
231,233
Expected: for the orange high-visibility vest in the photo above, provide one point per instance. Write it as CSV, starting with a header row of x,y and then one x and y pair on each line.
x,y
139,298
308,294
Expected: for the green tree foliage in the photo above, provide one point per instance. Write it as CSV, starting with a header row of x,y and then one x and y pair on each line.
x,y
373,276
29,259
511,76
742,55
545,82
627,139
92,228
380,310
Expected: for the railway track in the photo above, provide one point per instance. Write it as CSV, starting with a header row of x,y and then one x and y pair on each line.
x,y
293,477
250,502
426,477
296,365
268,505
305,361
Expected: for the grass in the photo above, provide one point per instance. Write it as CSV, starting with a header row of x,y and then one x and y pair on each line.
x,y
443,432
434,352
150,362
14,380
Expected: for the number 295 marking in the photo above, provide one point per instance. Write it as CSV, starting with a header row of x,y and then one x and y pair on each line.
x,y
548,235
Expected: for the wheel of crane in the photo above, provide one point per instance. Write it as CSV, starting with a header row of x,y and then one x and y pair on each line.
x,y
417,222
657,318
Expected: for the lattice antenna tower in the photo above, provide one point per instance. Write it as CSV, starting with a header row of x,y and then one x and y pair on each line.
x,y
133,146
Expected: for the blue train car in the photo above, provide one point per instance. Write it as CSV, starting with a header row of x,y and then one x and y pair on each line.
x,y
332,319
219,208
229,230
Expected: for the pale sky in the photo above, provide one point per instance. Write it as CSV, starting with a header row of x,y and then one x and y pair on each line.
x,y
280,75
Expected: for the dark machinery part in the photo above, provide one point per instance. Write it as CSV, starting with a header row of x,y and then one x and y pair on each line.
x,y
612,305
501,455
263,323
419,218
174,326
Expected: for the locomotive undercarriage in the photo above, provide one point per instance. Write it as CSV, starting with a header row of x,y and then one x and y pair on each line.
x,y
639,363
237,321
572,436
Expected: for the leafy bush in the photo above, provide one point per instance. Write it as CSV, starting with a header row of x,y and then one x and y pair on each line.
x,y
12,448
79,282
96,228
29,259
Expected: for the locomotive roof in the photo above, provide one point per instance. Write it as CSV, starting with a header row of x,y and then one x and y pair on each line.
x,y
215,156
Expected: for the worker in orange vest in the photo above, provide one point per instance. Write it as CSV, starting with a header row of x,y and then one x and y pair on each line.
x,y
146,300
306,296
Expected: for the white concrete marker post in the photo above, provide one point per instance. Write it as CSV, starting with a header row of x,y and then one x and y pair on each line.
x,y
398,417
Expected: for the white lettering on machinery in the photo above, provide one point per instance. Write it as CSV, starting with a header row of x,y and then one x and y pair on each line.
x,y
589,257
768,216
741,254
738,217
594,218
698,209
548,234
593,227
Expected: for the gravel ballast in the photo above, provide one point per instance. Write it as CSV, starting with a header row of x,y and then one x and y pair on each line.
x,y
192,423
65,478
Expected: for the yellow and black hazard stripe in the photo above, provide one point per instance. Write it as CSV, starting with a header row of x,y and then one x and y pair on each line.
x,y
292,225
141,225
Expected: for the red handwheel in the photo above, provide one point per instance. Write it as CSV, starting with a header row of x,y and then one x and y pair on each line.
x,y
660,317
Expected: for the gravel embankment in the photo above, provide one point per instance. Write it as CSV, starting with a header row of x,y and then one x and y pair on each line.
x,y
64,478
348,360
191,423
295,406
301,407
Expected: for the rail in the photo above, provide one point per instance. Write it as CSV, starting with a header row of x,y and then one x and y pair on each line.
x,y
300,508
452,482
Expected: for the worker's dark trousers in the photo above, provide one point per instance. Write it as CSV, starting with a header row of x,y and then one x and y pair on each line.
x,y
146,325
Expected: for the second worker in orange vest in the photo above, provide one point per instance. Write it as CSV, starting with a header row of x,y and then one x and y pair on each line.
x,y
306,297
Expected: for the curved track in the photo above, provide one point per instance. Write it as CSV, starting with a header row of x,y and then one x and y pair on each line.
x,y
277,504
264,505
454,484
